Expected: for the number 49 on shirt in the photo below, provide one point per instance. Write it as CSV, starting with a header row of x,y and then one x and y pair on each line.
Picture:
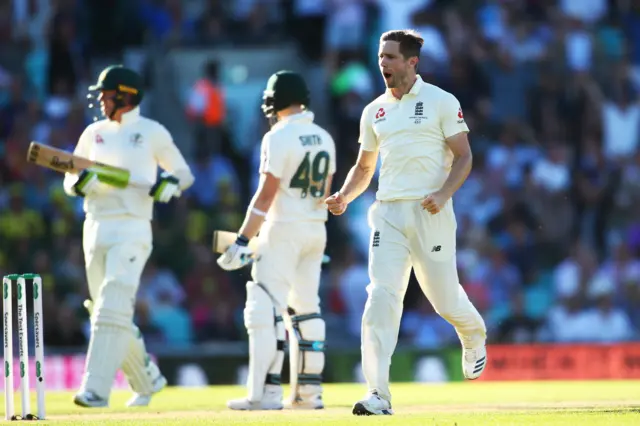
x,y
311,175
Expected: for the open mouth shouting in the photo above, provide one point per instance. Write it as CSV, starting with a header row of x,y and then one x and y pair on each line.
x,y
387,76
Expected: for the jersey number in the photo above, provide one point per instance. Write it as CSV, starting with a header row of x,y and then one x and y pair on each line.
x,y
311,176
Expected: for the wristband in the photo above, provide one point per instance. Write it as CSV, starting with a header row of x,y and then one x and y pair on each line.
x,y
241,240
258,212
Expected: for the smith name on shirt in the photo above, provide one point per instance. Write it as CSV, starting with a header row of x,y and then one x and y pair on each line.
x,y
311,140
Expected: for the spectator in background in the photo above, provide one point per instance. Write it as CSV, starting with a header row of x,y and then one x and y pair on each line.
x,y
620,125
153,335
309,21
587,11
434,56
345,29
518,327
256,22
66,58
509,85
206,108
171,320
567,321
605,322
159,286
596,188
425,329
210,26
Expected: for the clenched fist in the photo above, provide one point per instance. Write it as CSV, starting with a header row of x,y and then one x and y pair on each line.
x,y
435,202
336,204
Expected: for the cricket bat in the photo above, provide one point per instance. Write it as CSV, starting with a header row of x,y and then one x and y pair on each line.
x,y
223,239
65,162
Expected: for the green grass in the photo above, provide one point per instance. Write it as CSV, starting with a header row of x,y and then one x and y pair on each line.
x,y
459,404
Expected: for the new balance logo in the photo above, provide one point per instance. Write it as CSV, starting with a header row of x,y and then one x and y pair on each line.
x,y
419,108
376,239
436,248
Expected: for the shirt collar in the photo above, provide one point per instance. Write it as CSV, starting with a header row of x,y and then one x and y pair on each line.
x,y
415,90
302,116
130,116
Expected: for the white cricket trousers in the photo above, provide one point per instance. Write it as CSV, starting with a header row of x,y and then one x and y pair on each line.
x,y
403,235
290,263
116,250
116,247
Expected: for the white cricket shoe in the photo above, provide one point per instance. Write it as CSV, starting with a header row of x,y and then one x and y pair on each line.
x,y
143,400
474,361
372,405
271,400
309,398
89,399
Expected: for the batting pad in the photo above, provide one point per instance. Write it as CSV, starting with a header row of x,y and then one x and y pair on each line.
x,y
107,349
136,364
307,349
275,371
259,319
110,337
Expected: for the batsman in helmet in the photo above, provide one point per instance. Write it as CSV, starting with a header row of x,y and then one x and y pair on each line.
x,y
298,161
117,238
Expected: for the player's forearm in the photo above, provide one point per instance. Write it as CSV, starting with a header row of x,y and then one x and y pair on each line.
x,y
459,172
357,182
251,225
256,214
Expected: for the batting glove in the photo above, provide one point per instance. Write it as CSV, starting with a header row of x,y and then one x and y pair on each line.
x,y
87,183
236,256
166,188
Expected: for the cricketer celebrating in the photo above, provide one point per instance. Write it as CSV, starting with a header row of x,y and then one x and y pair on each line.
x,y
297,167
117,238
421,135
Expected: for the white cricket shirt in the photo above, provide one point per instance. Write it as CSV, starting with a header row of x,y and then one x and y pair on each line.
x,y
137,144
410,134
302,155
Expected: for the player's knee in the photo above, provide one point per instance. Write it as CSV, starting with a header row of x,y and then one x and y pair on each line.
x,y
456,309
311,326
259,311
382,305
115,304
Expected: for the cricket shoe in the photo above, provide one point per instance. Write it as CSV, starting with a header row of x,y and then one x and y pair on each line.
x,y
372,405
142,400
309,397
89,399
271,400
474,361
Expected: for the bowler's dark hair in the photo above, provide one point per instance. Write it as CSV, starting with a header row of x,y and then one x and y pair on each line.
x,y
410,41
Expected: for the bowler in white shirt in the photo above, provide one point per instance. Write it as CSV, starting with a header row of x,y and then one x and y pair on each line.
x,y
420,133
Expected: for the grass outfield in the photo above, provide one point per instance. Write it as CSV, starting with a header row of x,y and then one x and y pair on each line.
x,y
468,403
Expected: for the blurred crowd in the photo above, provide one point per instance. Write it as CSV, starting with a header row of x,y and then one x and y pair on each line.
x,y
548,223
